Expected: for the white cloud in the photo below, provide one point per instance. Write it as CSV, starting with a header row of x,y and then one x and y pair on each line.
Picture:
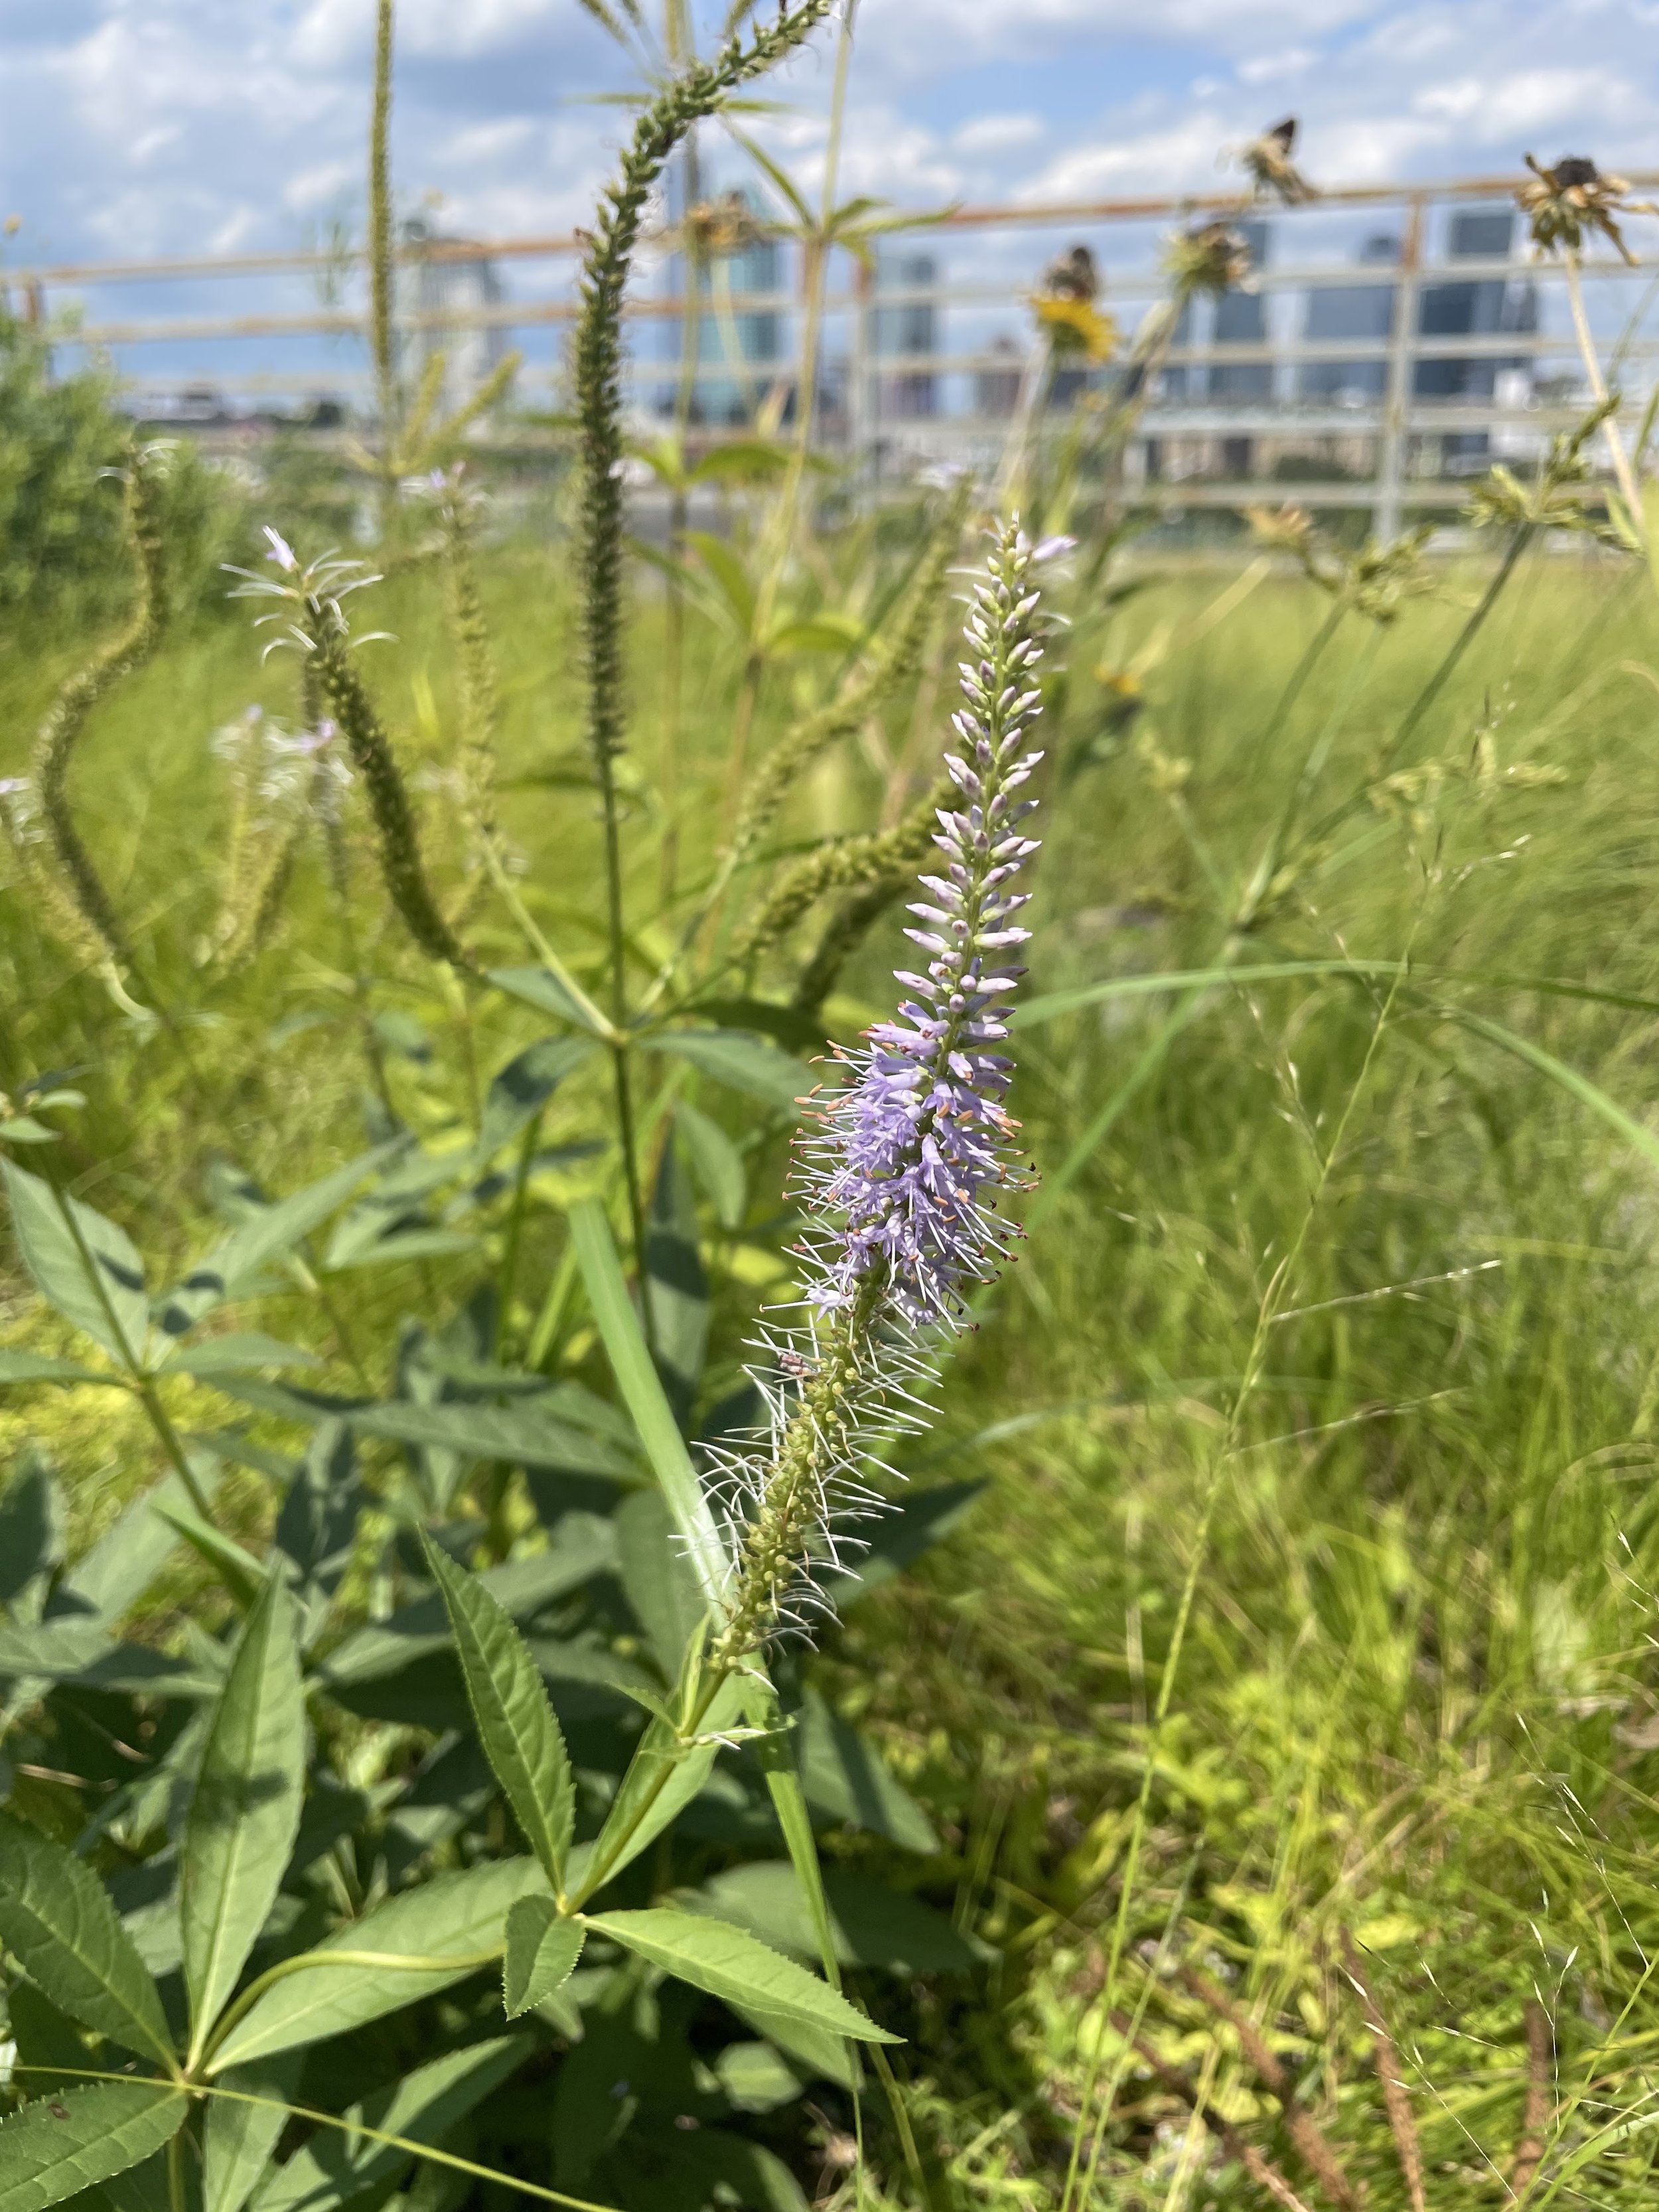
x,y
997,134
1273,68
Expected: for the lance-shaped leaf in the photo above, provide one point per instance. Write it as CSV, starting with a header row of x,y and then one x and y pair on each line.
x,y
55,1916
60,2145
336,2166
31,1524
663,1777
415,1944
516,1727
542,1946
238,2138
642,1393
745,1063
246,1810
81,1263
736,1967
235,1268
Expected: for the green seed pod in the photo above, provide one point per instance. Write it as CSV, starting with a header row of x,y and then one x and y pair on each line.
x,y
397,839
129,649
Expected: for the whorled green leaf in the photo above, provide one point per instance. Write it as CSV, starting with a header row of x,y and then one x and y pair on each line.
x,y
58,2145
542,1946
419,1942
56,1918
539,987
246,1810
516,1727
235,1266
336,2167
731,1965
99,1289
742,1062
238,2138
657,1578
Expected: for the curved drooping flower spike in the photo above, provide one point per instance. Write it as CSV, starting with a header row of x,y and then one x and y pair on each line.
x,y
902,1169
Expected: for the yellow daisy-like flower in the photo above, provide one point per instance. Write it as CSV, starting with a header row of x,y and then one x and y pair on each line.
x,y
1076,326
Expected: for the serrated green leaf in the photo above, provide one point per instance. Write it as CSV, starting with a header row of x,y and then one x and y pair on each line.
x,y
586,1547
817,2051
246,1810
237,2139
101,1290
60,2145
741,1061
422,1940
41,1367
236,1354
542,1946
731,1965
642,1393
56,1917
336,2167
516,1727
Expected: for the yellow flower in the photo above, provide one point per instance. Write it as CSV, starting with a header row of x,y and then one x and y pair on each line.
x,y
1076,326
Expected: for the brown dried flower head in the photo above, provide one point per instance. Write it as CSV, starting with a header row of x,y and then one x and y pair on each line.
x,y
1213,257
1273,173
717,229
1562,204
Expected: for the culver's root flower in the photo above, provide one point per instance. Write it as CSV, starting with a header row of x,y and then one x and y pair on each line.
x,y
902,1174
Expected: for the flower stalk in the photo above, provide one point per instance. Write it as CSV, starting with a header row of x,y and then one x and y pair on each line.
x,y
901,1178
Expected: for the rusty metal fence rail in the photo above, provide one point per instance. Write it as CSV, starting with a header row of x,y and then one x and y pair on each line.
x,y
1364,370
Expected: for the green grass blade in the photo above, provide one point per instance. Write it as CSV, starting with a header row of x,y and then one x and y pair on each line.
x,y
643,1394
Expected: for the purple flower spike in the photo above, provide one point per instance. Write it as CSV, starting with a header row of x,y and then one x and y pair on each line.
x,y
911,1154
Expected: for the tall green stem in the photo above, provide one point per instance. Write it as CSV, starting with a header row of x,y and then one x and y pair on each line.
x,y
1598,384
380,262
602,531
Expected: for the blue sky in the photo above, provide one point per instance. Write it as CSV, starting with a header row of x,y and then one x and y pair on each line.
x,y
139,127
145,126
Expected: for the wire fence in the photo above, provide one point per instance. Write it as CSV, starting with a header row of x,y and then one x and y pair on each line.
x,y
1393,340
